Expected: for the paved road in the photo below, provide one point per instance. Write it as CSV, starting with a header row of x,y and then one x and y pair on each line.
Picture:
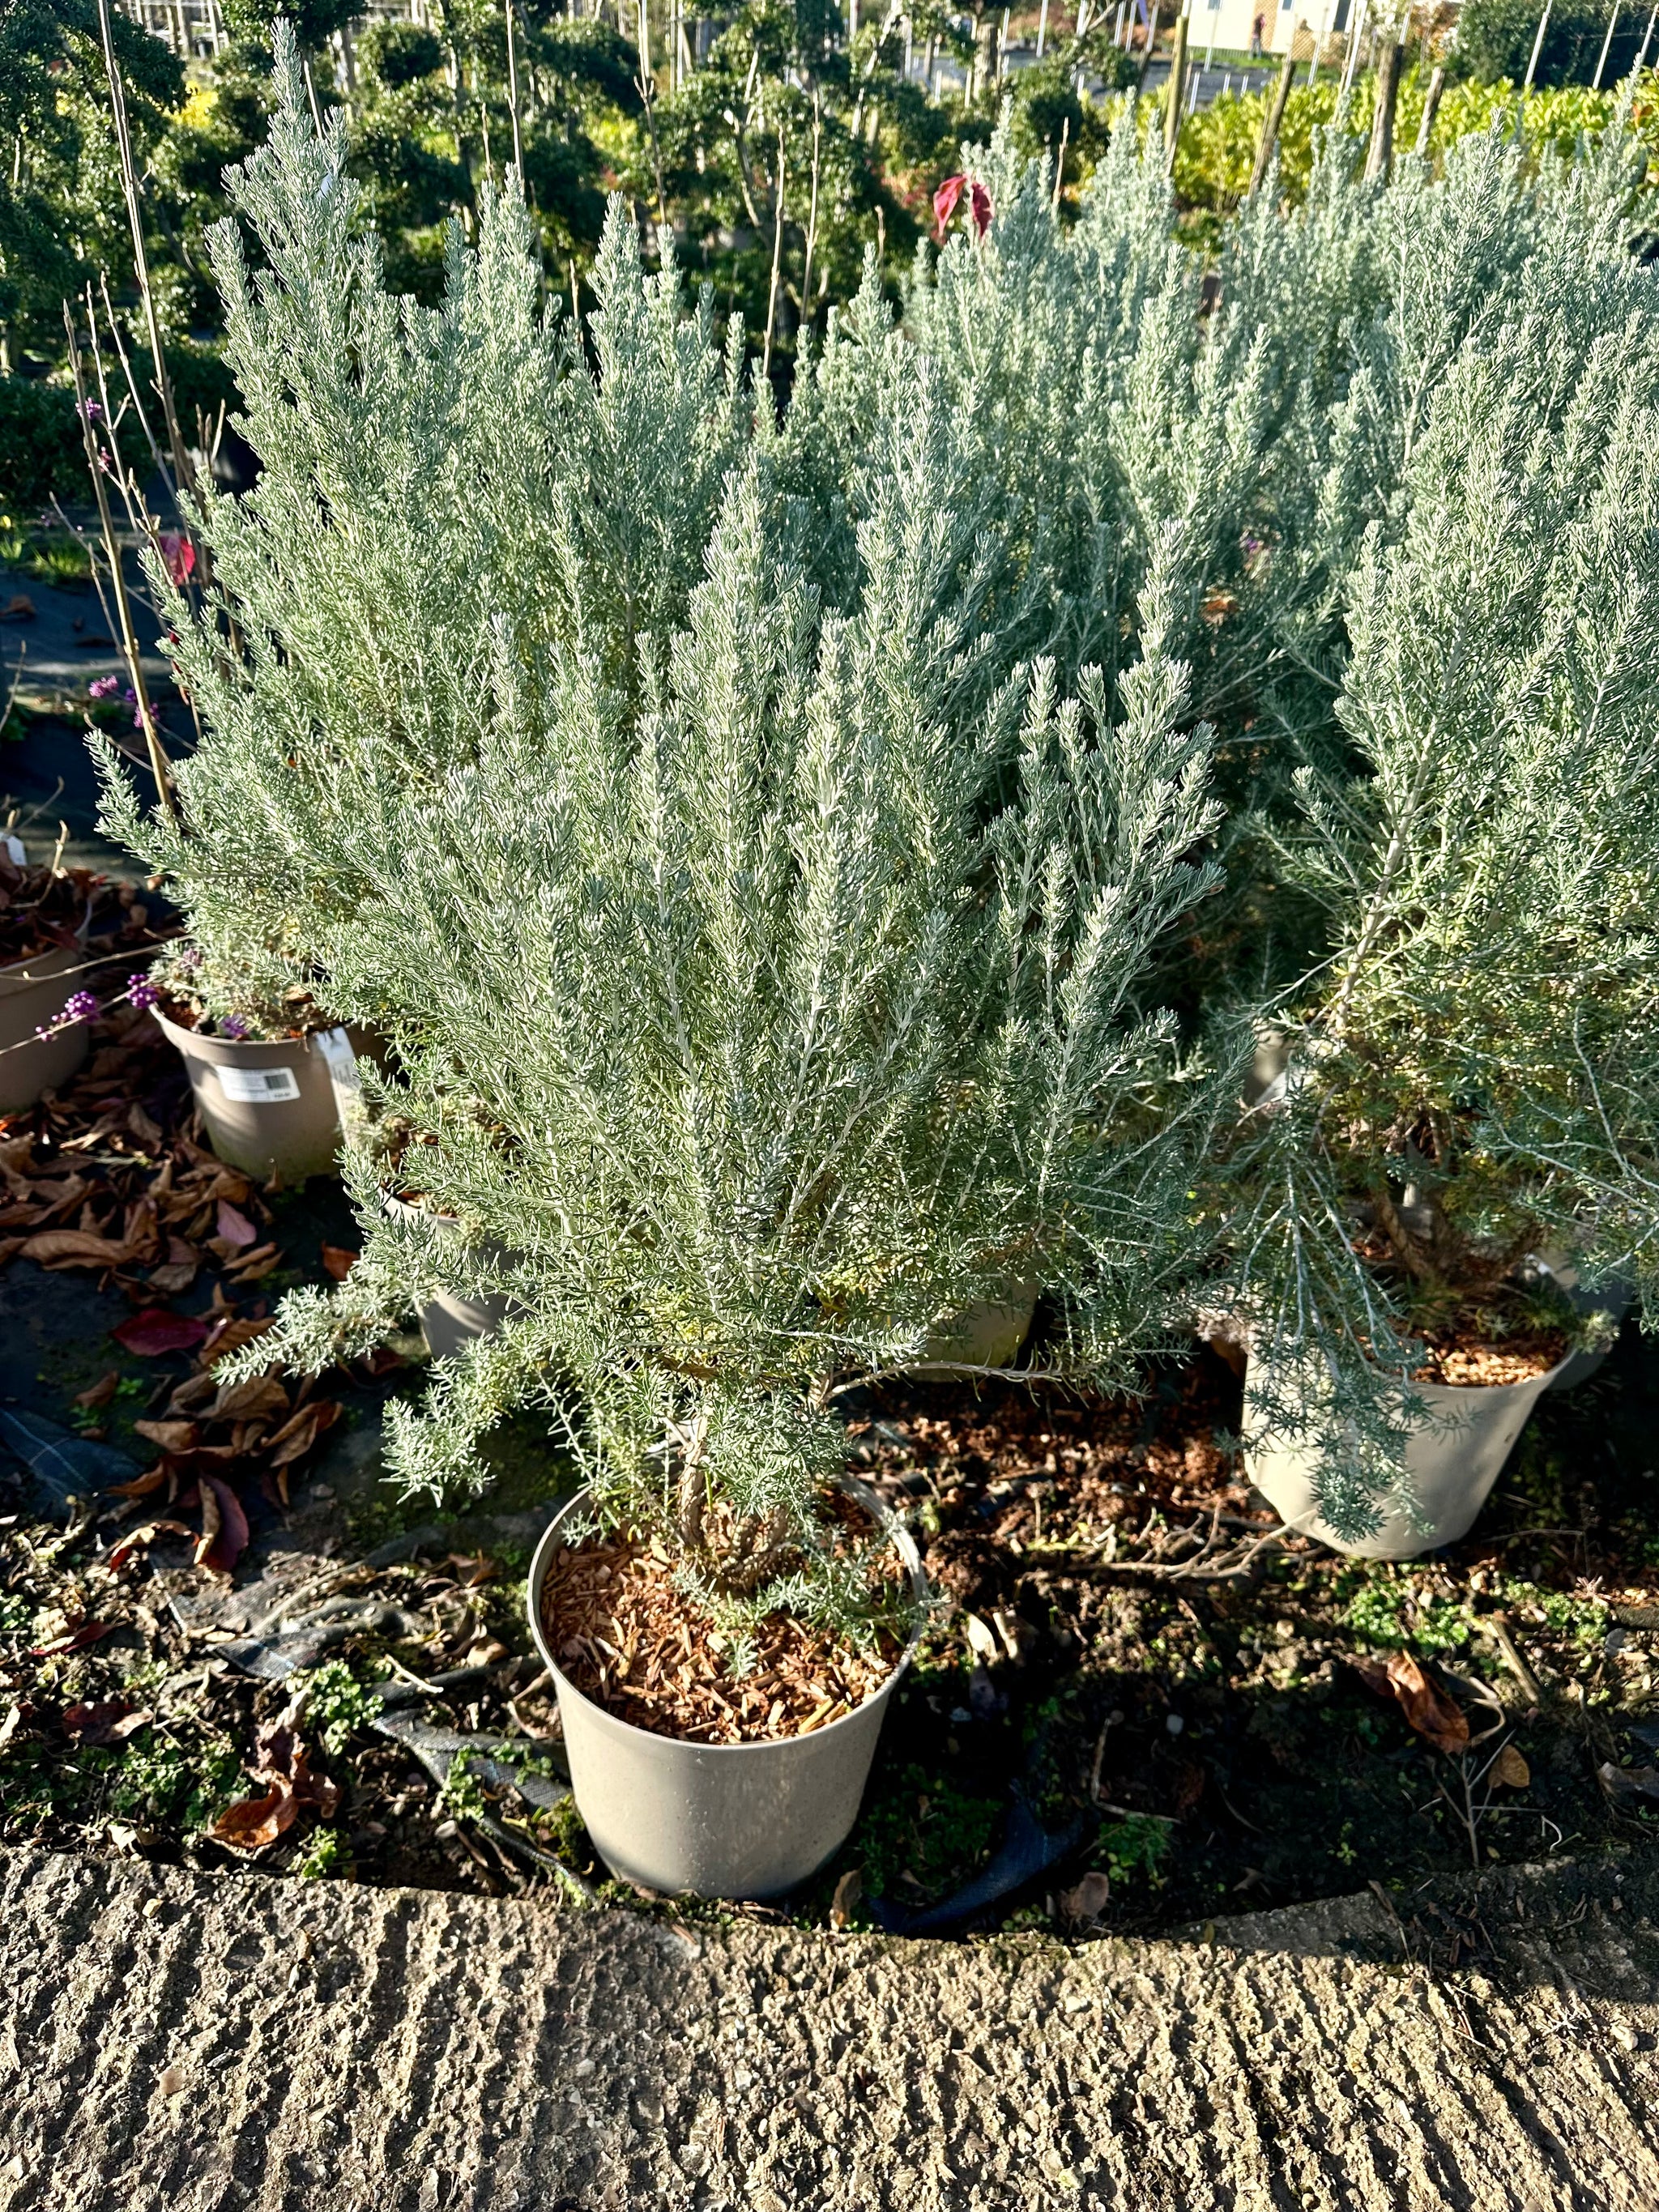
x,y
175,2042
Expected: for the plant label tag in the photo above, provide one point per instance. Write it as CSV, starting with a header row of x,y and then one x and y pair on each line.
x,y
259,1086
345,1076
15,852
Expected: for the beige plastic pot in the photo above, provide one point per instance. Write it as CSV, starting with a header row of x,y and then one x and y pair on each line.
x,y
270,1110
450,1320
988,1335
1452,1469
31,994
738,1820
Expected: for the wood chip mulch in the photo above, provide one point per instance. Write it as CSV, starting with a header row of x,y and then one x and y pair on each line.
x,y
633,1643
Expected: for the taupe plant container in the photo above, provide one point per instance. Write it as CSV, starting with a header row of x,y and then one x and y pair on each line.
x,y
740,1820
31,993
988,1335
1452,1467
267,1109
450,1320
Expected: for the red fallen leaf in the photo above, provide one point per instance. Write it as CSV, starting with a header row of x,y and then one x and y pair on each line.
x,y
979,202
252,1822
104,1723
337,1262
136,1539
234,1227
150,1334
76,1639
230,1533
1424,1703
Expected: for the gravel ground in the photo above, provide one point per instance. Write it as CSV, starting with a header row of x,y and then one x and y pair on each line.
x,y
184,2041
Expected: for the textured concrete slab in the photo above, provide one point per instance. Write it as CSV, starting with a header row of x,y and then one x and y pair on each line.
x,y
178,2041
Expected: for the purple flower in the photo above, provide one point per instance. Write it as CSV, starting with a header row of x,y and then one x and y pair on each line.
x,y
141,992
233,1026
92,411
191,958
129,696
80,1007
104,687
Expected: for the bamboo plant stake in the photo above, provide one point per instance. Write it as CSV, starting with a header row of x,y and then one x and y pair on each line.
x,y
1059,166
1647,40
1350,60
123,605
184,473
1430,109
1273,118
1151,41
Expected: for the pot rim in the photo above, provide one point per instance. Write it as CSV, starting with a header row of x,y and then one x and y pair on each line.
x,y
182,1037
880,1511
13,971
1473,1390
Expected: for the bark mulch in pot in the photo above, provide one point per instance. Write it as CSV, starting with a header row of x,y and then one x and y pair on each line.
x,y
628,1638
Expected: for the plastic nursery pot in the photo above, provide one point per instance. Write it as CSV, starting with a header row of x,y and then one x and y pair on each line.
x,y
1451,1469
987,1335
31,995
722,1819
449,1319
268,1109
1612,1299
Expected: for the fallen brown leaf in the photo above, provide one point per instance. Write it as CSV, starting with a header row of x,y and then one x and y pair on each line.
x,y
1088,1900
111,1723
136,1539
171,1436
1424,1703
1510,1769
254,1397
252,1822
234,1228
230,1533
337,1262
101,1391
75,1248
848,1890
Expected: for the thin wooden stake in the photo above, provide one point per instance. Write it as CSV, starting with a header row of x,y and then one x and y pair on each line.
x,y
123,604
1430,109
1537,47
777,255
813,217
1595,81
513,96
1059,166
184,473
1271,120
1177,86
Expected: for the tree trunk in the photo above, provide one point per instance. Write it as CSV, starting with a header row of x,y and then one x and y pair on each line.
x,y
1380,160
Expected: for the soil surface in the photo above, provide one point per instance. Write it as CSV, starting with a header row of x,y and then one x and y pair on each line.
x,y
178,2044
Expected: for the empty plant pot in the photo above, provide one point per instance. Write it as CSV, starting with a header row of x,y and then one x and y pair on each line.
x,y
268,1109
987,1335
31,993
450,1320
1452,1469
737,1820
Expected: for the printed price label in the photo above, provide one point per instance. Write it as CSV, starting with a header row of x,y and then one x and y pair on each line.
x,y
259,1086
346,1077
